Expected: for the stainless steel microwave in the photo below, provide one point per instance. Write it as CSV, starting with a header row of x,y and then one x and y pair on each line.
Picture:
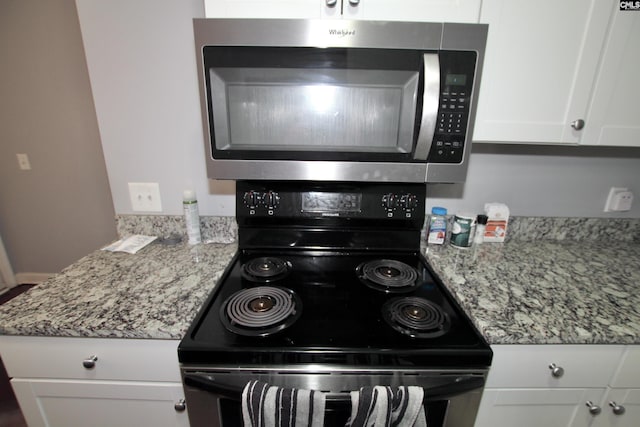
x,y
339,100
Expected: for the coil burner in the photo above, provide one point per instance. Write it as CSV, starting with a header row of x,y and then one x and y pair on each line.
x,y
260,311
416,317
388,275
265,269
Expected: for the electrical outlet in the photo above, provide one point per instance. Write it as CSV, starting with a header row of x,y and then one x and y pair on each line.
x,y
23,161
619,200
145,196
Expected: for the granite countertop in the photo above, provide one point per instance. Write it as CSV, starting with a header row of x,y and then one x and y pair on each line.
x,y
546,292
154,293
540,290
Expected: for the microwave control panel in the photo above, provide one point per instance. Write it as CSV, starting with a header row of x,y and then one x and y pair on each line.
x,y
456,85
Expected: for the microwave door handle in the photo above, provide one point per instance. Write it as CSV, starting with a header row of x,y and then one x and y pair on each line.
x,y
430,101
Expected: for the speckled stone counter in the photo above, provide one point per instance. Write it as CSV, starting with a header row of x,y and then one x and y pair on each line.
x,y
546,292
154,293
553,281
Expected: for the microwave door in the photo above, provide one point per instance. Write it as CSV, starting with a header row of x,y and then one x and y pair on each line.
x,y
430,100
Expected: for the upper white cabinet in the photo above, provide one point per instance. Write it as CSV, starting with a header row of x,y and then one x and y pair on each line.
x,y
397,10
560,72
263,8
539,68
614,112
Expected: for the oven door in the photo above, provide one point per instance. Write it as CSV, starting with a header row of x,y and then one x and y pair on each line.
x,y
213,396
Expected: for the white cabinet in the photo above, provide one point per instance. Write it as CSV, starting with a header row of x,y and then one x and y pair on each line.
x,y
97,382
99,403
540,63
621,404
397,10
614,112
543,385
418,10
560,72
263,8
523,407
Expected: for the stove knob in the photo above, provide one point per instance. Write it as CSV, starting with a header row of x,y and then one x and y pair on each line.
x,y
270,199
389,201
251,199
409,201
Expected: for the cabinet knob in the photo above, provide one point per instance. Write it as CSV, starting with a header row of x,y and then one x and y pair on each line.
x,y
556,371
90,362
593,409
331,3
577,124
180,405
354,2
617,409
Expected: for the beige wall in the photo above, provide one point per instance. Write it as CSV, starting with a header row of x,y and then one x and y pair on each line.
x,y
61,209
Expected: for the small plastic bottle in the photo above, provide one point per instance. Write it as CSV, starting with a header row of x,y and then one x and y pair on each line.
x,y
437,233
191,216
480,228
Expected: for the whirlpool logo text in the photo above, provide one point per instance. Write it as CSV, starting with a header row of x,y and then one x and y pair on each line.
x,y
341,32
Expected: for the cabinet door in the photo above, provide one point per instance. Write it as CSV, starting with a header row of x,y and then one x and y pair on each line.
x,y
303,9
536,407
614,115
66,403
539,68
626,400
417,10
385,10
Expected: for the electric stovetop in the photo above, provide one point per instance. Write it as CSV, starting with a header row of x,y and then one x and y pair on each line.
x,y
336,314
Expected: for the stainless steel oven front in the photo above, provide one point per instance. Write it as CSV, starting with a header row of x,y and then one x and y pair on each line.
x,y
452,396
338,100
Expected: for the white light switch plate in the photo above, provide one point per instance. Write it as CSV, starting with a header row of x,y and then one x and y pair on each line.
x,y
145,196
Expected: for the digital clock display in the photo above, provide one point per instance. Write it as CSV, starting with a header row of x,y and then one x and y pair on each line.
x,y
455,80
316,201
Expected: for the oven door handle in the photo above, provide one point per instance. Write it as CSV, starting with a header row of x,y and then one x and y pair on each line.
x,y
431,394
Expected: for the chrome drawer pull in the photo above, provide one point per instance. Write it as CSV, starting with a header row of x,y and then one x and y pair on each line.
x,y
617,409
180,405
556,371
593,409
90,362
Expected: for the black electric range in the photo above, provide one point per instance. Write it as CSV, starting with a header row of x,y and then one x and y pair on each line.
x,y
331,273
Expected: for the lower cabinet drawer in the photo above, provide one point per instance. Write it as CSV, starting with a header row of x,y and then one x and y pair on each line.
x,y
548,366
90,358
557,407
628,376
46,402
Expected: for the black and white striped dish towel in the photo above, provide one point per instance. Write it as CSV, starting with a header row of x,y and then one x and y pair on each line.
x,y
269,406
387,406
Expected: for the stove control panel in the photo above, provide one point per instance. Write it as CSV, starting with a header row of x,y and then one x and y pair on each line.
x,y
400,204
266,201
336,201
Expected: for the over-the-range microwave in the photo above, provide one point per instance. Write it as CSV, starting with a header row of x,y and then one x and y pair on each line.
x,y
339,100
